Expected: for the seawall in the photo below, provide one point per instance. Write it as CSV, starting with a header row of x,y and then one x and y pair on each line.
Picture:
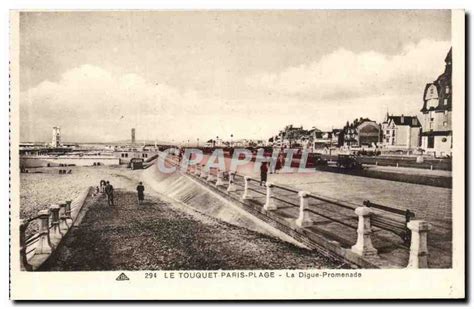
x,y
187,191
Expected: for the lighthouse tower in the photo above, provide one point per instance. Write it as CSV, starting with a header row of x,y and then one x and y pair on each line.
x,y
56,141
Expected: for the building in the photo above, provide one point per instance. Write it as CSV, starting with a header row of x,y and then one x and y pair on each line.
x,y
321,139
337,137
125,154
401,132
362,132
56,140
436,136
133,136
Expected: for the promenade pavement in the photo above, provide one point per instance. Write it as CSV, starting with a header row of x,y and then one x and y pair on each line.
x,y
159,236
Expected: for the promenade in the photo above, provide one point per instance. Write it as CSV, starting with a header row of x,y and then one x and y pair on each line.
x,y
161,235
340,224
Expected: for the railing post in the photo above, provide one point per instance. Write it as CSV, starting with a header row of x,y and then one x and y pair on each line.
x,y
68,211
203,172
196,170
269,203
231,187
23,259
63,225
43,246
210,177
419,245
303,219
364,245
55,229
246,194
220,178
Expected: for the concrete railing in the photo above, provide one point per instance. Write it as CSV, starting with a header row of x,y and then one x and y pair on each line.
x,y
363,246
53,225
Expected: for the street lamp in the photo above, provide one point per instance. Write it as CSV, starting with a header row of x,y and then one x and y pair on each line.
x,y
231,136
198,141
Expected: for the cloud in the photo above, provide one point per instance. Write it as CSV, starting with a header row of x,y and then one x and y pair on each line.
x,y
91,104
94,104
344,74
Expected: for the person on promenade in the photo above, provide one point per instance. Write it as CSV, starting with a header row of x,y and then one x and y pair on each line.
x,y
102,186
263,173
279,164
109,190
140,192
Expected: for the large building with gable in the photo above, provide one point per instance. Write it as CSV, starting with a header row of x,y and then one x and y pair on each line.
x,y
437,134
401,132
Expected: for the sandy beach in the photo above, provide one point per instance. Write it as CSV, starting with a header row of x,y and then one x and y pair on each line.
x,y
42,187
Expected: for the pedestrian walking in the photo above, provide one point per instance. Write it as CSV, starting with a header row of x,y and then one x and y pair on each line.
x,y
109,190
102,186
263,173
140,193
279,164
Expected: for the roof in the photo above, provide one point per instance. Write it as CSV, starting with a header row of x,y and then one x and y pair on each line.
x,y
442,83
436,133
411,121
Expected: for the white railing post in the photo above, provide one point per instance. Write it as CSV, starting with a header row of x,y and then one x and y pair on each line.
x,y
55,232
269,203
220,178
43,246
303,219
231,187
364,245
196,170
203,172
63,225
23,259
68,211
246,194
210,177
419,245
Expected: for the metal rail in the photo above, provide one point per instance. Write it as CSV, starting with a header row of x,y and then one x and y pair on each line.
x,y
286,189
337,203
332,219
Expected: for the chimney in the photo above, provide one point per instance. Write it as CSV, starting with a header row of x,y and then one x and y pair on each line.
x,y
133,135
402,119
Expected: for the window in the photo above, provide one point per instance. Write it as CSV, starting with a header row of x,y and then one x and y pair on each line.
x,y
430,141
447,89
445,124
445,101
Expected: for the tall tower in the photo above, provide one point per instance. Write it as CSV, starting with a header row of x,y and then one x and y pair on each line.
x,y
133,135
56,140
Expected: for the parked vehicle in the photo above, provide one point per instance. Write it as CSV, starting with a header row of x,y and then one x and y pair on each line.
x,y
319,160
348,161
136,164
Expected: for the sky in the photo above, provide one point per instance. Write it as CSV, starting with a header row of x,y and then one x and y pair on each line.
x,y
182,75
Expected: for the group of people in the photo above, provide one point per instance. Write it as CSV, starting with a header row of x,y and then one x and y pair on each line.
x,y
107,188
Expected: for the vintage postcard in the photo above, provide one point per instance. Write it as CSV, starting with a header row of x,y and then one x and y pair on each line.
x,y
240,154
